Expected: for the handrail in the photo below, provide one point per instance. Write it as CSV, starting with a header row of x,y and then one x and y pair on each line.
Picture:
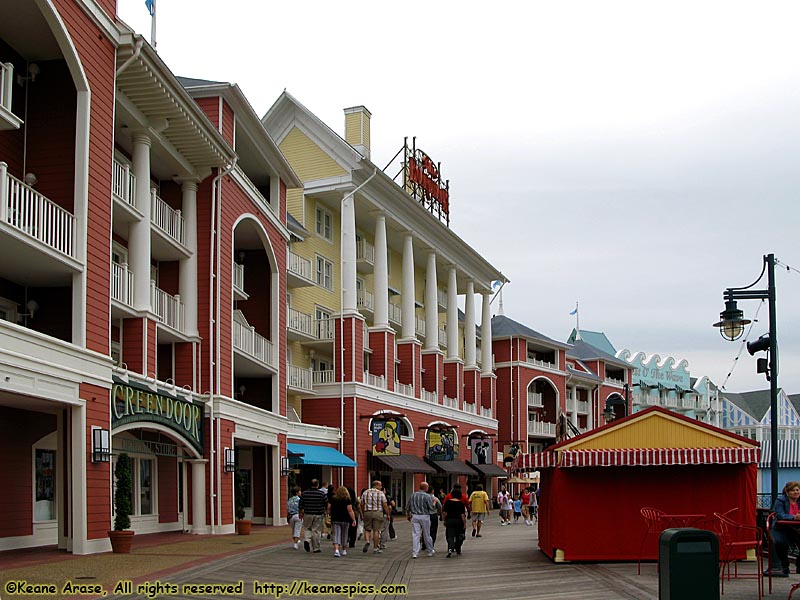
x,y
166,218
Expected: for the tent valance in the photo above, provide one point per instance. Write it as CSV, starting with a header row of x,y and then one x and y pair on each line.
x,y
627,457
306,454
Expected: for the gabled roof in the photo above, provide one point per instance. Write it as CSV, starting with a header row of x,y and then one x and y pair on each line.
x,y
503,326
581,369
584,352
795,400
597,339
755,403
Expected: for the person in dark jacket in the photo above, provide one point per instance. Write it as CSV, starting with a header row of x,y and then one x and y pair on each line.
x,y
786,508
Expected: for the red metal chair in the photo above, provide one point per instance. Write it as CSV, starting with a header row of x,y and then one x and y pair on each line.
x,y
654,519
735,539
769,524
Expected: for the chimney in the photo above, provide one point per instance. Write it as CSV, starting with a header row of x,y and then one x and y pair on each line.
x,y
356,128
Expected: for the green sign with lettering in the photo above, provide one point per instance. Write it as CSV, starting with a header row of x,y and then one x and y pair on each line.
x,y
133,405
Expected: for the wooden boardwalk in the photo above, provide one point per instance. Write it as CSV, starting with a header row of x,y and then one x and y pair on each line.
x,y
503,564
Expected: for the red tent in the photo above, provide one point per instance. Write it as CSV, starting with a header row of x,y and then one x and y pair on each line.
x,y
593,485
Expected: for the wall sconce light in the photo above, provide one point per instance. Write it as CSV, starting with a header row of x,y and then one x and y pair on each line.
x,y
32,307
230,460
285,467
101,445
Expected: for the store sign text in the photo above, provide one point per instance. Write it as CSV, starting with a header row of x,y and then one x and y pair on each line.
x,y
425,174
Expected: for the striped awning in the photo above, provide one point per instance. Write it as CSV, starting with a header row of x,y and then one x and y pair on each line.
x,y
788,454
626,457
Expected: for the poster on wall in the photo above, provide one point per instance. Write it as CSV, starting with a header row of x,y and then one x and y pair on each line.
x,y
481,451
511,451
385,437
442,444
45,475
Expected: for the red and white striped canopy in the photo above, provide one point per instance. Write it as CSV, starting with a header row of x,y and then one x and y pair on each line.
x,y
639,457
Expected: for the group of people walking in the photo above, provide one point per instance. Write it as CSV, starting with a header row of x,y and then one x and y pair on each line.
x,y
340,510
524,505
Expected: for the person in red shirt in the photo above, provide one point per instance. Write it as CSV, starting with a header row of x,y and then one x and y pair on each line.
x,y
525,496
464,498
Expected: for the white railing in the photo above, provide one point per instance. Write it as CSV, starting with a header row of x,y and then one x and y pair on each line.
x,y
688,403
535,399
614,381
30,212
703,404
365,251
395,314
166,218
6,84
443,337
636,399
470,408
300,322
428,396
248,340
238,277
375,380
122,283
419,326
541,428
300,378
404,388
169,309
322,376
450,402
441,296
324,329
583,406
300,266
571,405
671,402
365,299
540,363
123,183
652,400
486,412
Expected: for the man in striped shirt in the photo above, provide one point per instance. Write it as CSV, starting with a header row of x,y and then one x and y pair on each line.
x,y
312,511
373,508
420,507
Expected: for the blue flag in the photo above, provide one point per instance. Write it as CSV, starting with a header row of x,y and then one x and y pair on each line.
x,y
574,312
151,6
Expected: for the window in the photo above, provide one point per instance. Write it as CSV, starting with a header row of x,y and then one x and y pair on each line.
x,y
324,224
119,254
324,273
45,507
146,487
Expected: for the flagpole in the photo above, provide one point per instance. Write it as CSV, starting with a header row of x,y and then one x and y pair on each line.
x,y
153,27
577,319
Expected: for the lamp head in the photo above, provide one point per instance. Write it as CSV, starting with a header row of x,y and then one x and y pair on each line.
x,y
731,321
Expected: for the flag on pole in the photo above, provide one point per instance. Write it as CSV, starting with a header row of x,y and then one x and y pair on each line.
x,y
496,284
151,6
574,312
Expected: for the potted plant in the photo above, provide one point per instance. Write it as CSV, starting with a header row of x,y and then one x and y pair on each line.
x,y
242,525
122,536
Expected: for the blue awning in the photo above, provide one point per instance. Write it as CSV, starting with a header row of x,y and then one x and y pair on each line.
x,y
305,454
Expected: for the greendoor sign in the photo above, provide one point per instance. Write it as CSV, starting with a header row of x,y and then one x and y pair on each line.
x,y
133,405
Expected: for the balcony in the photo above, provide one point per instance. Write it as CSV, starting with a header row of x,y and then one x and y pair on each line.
x,y
441,296
324,329
688,403
541,363
614,381
365,256
395,314
378,381
419,326
470,408
583,407
298,271
652,400
8,120
255,347
35,216
450,402
299,325
169,309
322,377
123,183
122,284
429,397
406,389
365,300
300,379
535,400
571,405
541,428
169,241
486,412
443,337
238,282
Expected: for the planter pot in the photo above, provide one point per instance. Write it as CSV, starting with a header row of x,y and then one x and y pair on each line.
x,y
243,526
121,541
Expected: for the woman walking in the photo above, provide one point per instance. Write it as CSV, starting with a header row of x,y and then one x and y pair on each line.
x,y
455,522
340,509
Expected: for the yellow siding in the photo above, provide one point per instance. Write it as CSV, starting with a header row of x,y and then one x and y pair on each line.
x,y
294,205
307,159
352,128
656,430
366,131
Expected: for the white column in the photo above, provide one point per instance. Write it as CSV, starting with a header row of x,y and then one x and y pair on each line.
x,y
381,273
139,231
452,313
78,503
431,304
486,334
187,283
199,524
470,337
407,308
348,232
276,486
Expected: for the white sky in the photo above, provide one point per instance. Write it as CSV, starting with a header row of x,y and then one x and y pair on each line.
x,y
636,157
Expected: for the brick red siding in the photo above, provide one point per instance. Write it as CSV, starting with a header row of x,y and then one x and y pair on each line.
x,y
132,342
210,106
98,475
227,122
226,429
167,489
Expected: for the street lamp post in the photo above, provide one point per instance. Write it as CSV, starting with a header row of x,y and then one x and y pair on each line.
x,y
731,326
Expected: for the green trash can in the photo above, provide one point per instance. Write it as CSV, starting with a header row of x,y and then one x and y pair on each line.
x,y
688,565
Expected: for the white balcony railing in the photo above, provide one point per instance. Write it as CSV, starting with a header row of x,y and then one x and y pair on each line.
x,y
30,212
169,309
652,400
540,363
395,314
249,341
583,407
614,381
428,396
671,402
322,376
365,299
299,322
300,266
443,337
541,428
450,402
375,380
486,412
419,326
636,399
6,84
123,183
441,296
365,252
404,388
324,329
470,408
238,277
688,403
122,283
535,399
166,218
300,378
572,405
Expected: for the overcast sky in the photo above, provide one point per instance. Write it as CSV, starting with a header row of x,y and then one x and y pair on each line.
x,y
635,157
